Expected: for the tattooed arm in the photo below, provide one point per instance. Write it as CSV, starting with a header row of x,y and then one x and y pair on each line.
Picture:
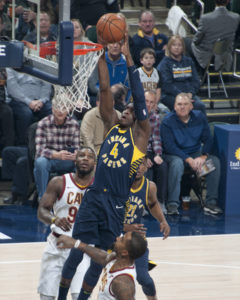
x,y
123,287
99,256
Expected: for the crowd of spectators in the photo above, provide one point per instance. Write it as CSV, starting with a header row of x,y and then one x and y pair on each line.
x,y
165,72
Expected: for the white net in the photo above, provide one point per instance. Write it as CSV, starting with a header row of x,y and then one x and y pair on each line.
x,y
75,97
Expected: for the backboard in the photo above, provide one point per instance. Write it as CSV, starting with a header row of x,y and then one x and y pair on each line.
x,y
14,54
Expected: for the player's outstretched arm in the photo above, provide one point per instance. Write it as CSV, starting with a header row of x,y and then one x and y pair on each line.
x,y
106,105
53,191
100,256
123,287
156,211
142,127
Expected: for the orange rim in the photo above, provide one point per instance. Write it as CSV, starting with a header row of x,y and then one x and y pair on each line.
x,y
49,48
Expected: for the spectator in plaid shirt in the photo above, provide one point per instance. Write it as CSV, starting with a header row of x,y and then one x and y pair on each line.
x,y
57,138
157,168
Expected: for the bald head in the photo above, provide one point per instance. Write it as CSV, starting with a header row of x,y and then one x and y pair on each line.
x,y
183,106
183,96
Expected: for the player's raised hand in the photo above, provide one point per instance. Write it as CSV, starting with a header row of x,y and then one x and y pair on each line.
x,y
101,41
139,228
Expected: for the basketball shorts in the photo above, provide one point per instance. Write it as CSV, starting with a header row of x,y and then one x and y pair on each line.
x,y
100,218
52,263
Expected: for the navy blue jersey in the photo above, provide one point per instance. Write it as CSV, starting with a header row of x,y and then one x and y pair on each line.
x,y
138,201
118,161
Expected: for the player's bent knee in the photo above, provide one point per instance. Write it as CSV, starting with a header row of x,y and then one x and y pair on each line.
x,y
86,287
65,282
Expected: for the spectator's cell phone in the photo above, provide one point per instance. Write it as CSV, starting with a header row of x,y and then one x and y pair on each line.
x,y
71,149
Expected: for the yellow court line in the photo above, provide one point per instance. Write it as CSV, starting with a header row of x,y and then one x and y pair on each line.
x,y
224,114
224,73
213,86
219,100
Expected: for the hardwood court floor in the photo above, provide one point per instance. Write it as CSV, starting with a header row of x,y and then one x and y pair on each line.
x,y
189,268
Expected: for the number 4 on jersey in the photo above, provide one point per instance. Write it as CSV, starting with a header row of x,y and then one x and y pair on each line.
x,y
114,151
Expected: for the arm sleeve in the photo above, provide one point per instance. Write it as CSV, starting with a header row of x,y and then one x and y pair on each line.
x,y
137,94
126,85
134,49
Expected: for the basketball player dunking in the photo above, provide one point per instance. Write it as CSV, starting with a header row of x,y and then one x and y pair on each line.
x,y
100,218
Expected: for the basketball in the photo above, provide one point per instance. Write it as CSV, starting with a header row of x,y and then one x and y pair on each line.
x,y
111,28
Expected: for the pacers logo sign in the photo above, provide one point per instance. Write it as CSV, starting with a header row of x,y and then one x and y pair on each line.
x,y
235,165
237,154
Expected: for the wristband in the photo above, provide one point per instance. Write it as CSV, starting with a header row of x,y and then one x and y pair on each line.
x,y
77,243
53,220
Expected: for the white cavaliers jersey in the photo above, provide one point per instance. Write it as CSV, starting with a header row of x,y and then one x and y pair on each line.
x,y
54,258
68,203
149,81
105,289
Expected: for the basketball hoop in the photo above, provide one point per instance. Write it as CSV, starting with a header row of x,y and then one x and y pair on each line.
x,y
85,57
